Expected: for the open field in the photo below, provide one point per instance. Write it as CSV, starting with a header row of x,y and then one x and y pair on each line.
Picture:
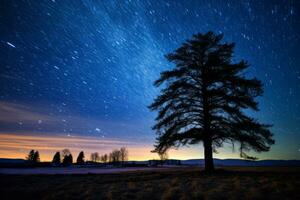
x,y
74,170
179,183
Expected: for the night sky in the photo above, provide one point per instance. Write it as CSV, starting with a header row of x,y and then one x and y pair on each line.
x,y
79,74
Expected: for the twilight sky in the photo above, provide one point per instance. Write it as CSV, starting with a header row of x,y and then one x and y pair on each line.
x,y
79,74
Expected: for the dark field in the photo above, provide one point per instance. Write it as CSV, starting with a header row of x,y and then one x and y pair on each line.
x,y
188,183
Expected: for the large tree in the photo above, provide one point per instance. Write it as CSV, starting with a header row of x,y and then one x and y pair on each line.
x,y
204,99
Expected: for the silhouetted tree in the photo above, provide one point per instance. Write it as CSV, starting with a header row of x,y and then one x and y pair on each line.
x,y
115,156
33,157
70,159
67,160
95,157
67,157
30,156
36,157
124,154
204,100
80,158
104,158
56,159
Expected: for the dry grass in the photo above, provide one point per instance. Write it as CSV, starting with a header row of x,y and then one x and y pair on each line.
x,y
232,183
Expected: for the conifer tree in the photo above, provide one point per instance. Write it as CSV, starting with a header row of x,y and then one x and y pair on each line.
x,y
30,156
204,100
33,157
56,159
36,157
80,158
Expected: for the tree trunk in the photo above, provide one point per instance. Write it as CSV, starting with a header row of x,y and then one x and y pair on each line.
x,y
208,156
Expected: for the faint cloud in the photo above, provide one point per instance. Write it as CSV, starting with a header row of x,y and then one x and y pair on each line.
x,y
16,117
15,113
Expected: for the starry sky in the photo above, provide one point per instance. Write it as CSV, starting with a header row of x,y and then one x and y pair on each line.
x,y
79,74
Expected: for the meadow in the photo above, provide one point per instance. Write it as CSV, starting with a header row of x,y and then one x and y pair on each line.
x,y
182,183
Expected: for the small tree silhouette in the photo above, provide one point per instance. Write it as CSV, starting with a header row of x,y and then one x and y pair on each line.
x,y
33,157
104,158
56,159
67,157
124,154
67,160
30,156
80,158
36,157
115,157
95,157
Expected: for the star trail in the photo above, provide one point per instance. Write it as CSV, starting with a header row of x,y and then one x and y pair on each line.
x,y
85,68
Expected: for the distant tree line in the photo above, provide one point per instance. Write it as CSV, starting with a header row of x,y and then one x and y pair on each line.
x,y
65,158
117,156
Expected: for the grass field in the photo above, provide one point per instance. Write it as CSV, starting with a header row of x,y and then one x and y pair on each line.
x,y
191,183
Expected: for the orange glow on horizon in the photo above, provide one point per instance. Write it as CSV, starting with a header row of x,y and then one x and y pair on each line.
x,y
14,145
18,146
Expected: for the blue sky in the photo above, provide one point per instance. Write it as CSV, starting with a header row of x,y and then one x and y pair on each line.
x,y
86,68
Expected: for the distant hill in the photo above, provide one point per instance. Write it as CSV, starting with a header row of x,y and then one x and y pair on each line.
x,y
7,162
240,162
15,163
12,161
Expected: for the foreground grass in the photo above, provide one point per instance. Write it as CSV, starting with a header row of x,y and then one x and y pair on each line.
x,y
231,183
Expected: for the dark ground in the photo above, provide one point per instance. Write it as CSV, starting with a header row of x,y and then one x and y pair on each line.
x,y
188,183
